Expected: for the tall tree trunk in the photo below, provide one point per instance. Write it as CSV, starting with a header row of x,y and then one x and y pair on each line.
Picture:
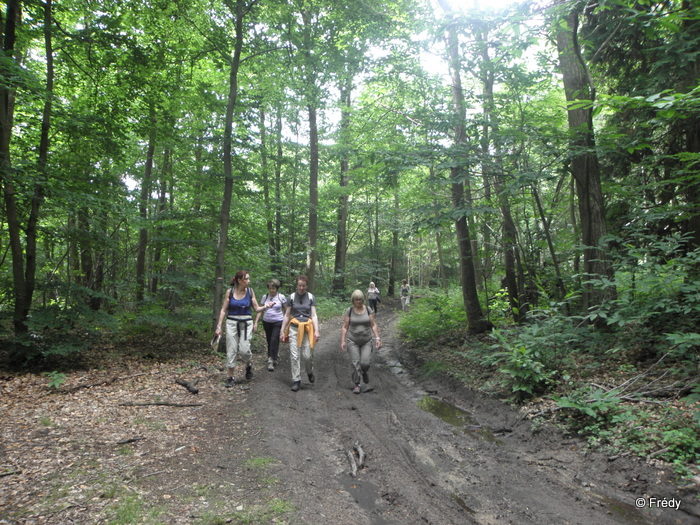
x,y
95,302
269,215
341,244
442,273
38,194
23,253
691,128
584,163
560,287
312,107
225,214
279,158
395,252
492,165
166,173
313,198
475,317
143,206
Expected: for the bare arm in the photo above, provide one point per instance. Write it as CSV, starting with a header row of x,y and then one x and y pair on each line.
x,y
222,313
375,329
314,320
343,332
285,322
255,304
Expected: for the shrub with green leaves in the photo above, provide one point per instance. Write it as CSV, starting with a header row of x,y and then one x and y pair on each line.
x,y
524,367
432,315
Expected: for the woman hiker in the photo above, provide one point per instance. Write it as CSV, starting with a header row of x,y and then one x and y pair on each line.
x,y
272,321
358,332
373,297
300,329
236,309
405,295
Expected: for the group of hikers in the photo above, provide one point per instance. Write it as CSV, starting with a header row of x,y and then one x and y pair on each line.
x,y
294,321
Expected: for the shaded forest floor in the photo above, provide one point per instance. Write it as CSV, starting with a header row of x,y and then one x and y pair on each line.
x,y
118,440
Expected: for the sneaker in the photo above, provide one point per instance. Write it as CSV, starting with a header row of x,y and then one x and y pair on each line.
x,y
249,372
270,365
357,389
230,382
295,386
365,377
312,377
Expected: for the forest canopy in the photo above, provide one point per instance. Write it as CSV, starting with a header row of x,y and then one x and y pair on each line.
x,y
541,159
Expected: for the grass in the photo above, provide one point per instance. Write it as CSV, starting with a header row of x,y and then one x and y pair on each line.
x,y
259,463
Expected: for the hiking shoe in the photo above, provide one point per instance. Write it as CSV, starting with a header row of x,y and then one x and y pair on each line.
x,y
357,389
249,372
365,377
230,382
312,377
295,386
270,365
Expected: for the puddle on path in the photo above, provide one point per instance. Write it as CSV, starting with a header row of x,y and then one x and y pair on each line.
x,y
367,496
458,418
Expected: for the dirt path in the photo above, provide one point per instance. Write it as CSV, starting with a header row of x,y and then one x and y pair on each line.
x,y
426,461
125,444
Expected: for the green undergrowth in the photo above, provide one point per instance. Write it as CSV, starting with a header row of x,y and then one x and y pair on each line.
x,y
628,388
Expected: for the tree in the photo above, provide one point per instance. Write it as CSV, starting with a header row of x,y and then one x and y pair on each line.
x,y
585,168
238,11
475,318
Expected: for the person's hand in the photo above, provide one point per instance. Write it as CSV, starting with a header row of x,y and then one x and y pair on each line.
x,y
269,304
217,332
255,327
378,343
284,338
318,336
342,346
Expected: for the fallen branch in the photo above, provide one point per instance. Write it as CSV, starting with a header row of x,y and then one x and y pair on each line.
x,y
100,383
658,453
353,464
130,440
191,387
160,403
10,473
360,455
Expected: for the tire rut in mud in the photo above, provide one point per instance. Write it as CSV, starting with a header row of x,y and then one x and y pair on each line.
x,y
420,468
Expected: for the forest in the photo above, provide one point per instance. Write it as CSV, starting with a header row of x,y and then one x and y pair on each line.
x,y
531,168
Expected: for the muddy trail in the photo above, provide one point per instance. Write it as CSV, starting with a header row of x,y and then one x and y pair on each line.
x,y
430,452
123,442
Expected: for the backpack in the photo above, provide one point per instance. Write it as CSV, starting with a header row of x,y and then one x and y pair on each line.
x,y
294,294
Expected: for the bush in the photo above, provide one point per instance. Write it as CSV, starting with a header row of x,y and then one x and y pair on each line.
x,y
432,315
524,367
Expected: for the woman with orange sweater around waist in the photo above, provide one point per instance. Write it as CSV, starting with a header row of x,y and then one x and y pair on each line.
x,y
300,329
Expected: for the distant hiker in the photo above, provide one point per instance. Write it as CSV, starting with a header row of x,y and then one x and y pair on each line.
x,y
272,321
237,311
373,297
356,336
405,295
300,329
